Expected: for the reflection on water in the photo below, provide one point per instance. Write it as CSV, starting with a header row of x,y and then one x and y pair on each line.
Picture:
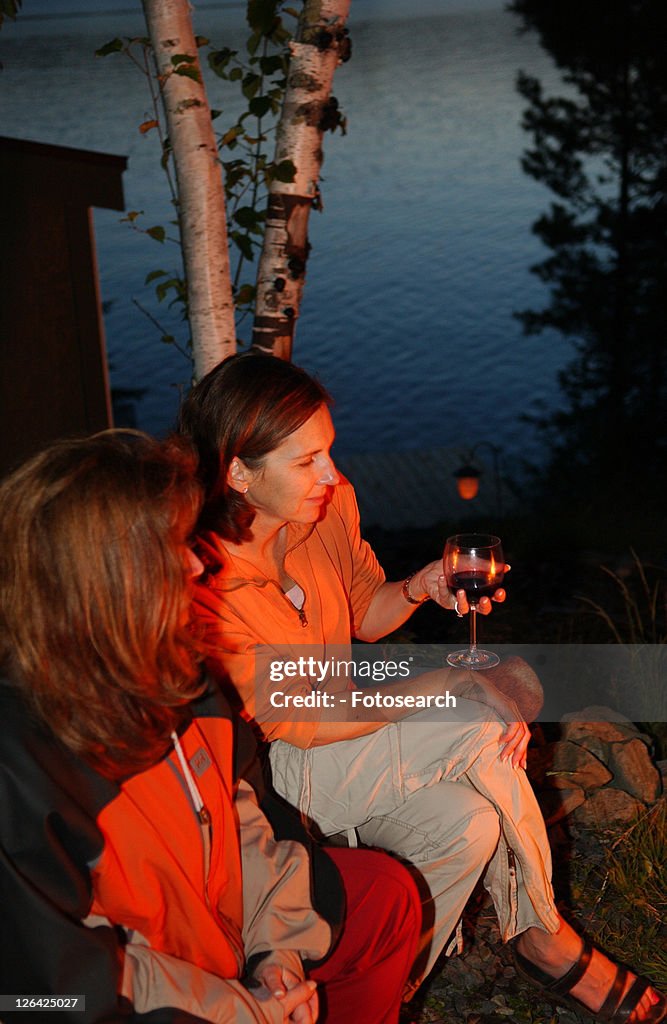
x,y
422,252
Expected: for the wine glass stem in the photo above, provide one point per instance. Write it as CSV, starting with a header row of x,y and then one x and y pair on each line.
x,y
473,628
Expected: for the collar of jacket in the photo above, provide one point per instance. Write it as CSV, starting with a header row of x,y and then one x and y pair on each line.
x,y
224,569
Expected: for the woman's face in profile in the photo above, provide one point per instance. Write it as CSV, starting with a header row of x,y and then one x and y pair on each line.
x,y
293,484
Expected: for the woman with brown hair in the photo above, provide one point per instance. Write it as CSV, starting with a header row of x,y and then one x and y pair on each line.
x,y
289,581
139,877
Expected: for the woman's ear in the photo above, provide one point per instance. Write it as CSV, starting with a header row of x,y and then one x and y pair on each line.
x,y
238,476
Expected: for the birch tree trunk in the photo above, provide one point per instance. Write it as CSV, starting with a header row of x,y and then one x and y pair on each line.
x,y
320,45
202,215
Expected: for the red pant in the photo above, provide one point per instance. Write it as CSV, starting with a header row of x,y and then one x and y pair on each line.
x,y
362,981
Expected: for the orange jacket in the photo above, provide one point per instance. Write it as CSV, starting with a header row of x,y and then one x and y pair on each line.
x,y
247,619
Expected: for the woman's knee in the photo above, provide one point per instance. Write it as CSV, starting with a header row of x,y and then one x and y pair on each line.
x,y
470,823
482,831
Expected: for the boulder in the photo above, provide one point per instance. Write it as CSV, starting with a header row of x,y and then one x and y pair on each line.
x,y
564,765
634,771
556,804
607,807
593,727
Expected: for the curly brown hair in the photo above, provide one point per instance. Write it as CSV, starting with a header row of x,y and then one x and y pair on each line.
x,y
95,593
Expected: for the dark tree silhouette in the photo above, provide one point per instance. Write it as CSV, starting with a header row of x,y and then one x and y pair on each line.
x,y
601,148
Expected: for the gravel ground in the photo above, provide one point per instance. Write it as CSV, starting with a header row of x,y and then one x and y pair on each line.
x,y
480,986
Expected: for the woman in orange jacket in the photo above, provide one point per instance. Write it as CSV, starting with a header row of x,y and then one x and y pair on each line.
x,y
289,581
140,879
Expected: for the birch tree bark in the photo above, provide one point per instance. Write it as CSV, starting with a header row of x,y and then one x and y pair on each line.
x,y
321,43
202,215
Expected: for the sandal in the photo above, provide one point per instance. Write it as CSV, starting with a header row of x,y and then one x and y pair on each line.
x,y
616,1008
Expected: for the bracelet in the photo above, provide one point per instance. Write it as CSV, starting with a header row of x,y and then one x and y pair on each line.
x,y
405,590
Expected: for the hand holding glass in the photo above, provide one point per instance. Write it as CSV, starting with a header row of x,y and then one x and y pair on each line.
x,y
473,562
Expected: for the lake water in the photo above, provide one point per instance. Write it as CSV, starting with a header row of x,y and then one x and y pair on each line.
x,y
423,250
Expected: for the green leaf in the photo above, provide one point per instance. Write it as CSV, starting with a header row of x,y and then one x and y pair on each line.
x,y
173,284
235,74
259,106
114,46
182,58
280,35
252,43
245,295
269,65
168,339
202,41
154,274
188,72
236,172
261,15
219,59
231,135
157,232
246,217
284,171
244,244
251,84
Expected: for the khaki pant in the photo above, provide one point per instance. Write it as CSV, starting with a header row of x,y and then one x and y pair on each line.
x,y
437,794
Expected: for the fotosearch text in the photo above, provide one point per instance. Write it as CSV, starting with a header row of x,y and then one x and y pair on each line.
x,y
360,698
308,683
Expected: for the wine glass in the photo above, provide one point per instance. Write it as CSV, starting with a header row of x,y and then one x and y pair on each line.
x,y
473,562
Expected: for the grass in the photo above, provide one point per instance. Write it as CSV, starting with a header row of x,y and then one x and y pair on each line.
x,y
612,886
643,618
622,899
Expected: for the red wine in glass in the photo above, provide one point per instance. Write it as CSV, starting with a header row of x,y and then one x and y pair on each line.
x,y
475,582
473,562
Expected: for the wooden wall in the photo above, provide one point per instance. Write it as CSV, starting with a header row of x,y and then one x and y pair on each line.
x,y
53,370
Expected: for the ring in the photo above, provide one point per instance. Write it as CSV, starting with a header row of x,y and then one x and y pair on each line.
x,y
456,609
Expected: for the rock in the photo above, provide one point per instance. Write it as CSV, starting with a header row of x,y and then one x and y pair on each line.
x,y
606,807
578,765
634,771
620,745
594,726
556,804
564,765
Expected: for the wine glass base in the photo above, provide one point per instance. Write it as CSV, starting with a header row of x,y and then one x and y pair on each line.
x,y
475,660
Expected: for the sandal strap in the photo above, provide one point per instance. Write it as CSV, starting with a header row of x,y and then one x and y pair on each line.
x,y
631,1000
608,1009
562,986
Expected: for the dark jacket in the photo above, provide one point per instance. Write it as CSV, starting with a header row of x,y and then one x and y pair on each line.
x,y
112,891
